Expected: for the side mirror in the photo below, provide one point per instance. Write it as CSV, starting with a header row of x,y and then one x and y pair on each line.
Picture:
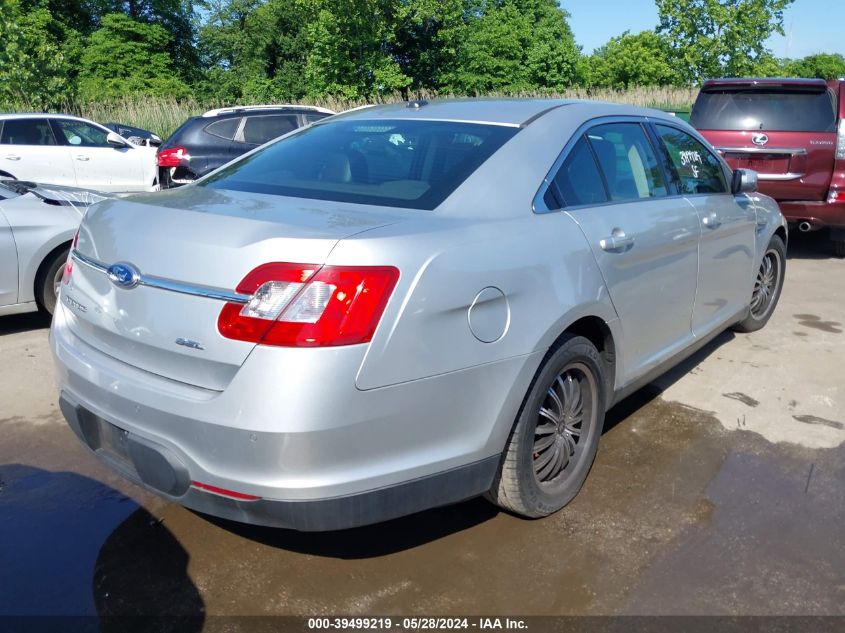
x,y
116,141
744,181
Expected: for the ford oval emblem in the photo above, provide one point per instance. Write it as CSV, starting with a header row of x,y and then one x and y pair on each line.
x,y
124,275
759,138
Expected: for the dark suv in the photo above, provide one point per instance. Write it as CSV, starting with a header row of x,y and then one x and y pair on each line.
x,y
204,143
791,132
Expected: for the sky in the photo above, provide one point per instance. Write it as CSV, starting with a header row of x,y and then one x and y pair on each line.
x,y
811,26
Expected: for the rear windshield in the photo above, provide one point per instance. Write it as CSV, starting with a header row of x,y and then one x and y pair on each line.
x,y
770,109
410,164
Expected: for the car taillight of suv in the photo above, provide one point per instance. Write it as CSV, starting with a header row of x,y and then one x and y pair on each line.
x,y
792,133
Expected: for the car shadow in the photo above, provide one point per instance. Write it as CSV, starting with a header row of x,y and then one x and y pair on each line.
x,y
811,245
82,556
370,541
16,323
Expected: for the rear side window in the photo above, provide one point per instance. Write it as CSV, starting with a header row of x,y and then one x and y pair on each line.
x,y
578,180
224,128
627,160
410,164
696,169
770,109
27,132
260,129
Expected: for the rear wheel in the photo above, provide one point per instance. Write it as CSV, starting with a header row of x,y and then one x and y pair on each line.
x,y
554,440
767,287
49,280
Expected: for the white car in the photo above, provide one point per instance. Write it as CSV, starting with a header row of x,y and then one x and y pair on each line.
x,y
66,150
37,225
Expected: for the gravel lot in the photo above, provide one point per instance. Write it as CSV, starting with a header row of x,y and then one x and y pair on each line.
x,y
719,489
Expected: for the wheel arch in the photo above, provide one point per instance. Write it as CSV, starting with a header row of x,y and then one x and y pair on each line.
x,y
43,262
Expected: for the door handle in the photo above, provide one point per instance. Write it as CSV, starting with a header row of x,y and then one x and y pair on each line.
x,y
82,157
617,241
12,157
711,221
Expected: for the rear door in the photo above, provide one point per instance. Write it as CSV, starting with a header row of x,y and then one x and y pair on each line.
x,y
259,129
785,132
29,151
644,240
728,222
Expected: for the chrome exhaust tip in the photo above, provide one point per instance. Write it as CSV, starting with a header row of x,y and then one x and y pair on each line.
x,y
805,226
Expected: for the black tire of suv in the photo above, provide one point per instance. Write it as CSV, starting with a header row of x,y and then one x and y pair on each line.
x,y
45,290
517,486
752,322
839,248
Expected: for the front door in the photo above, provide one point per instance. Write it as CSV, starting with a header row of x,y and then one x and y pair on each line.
x,y
97,164
726,252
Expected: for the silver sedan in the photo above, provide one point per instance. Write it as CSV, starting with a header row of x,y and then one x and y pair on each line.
x,y
37,225
406,306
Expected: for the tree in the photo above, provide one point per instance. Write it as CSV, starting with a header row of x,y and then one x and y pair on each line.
x,y
34,70
633,60
712,38
514,46
821,65
350,49
124,57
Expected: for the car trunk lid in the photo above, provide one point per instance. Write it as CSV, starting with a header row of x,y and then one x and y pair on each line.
x,y
786,131
193,246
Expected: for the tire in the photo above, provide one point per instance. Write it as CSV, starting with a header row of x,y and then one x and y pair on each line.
x,y
46,280
763,302
839,248
522,485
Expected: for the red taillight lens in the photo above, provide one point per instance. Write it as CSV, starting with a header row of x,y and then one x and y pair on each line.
x,y
295,305
68,271
172,157
240,496
75,240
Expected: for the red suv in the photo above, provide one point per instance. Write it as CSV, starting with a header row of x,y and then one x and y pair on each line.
x,y
792,133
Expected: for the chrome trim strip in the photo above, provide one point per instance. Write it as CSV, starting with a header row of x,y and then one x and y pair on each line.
x,y
797,151
161,283
787,176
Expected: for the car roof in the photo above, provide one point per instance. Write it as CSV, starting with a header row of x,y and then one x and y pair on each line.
x,y
514,112
255,109
763,82
43,115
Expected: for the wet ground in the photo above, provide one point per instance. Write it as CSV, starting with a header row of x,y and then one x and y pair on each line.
x,y
720,489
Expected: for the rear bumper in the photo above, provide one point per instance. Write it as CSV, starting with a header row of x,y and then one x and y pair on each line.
x,y
819,214
292,429
161,471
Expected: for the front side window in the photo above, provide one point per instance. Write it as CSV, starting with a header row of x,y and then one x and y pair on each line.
x,y
27,132
81,134
696,168
260,129
627,160
410,164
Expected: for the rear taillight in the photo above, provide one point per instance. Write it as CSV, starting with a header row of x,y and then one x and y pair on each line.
x,y
69,261
172,157
836,193
297,305
840,141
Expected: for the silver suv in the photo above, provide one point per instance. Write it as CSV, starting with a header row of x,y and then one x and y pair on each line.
x,y
405,306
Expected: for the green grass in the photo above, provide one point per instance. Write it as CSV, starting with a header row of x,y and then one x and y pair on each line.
x,y
164,115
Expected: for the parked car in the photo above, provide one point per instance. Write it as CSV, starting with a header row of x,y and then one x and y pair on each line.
x,y
37,225
135,135
792,132
66,150
406,306
204,143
